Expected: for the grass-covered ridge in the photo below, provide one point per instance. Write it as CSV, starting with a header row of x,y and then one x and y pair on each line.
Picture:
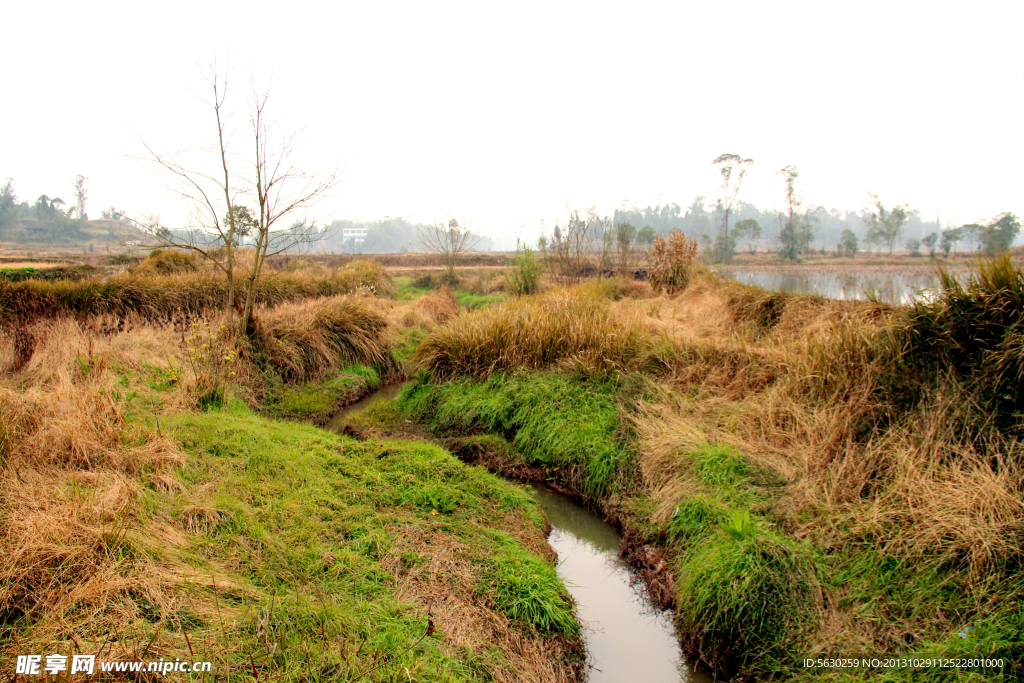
x,y
360,538
157,293
533,332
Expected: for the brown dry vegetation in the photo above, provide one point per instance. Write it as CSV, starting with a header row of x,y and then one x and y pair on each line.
x,y
799,385
440,305
76,540
790,380
446,585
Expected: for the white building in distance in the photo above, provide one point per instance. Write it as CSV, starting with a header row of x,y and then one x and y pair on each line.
x,y
357,235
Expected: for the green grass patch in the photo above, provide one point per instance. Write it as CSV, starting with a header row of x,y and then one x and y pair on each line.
x,y
406,342
475,301
409,289
529,591
566,423
313,530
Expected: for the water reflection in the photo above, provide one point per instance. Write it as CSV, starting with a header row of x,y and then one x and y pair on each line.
x,y
892,285
627,640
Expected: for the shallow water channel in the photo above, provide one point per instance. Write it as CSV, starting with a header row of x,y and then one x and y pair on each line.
x,y
626,638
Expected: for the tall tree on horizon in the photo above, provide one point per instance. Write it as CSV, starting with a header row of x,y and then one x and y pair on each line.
x,y
733,169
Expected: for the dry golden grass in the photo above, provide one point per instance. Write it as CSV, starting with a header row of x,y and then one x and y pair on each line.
x,y
441,305
305,340
38,265
562,327
806,400
164,297
72,544
80,551
795,398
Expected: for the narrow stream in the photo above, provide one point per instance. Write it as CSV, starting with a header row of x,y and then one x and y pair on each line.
x,y
626,638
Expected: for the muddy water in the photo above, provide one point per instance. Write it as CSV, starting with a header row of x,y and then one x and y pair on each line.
x,y
627,640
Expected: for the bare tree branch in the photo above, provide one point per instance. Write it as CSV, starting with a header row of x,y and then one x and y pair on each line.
x,y
449,239
233,196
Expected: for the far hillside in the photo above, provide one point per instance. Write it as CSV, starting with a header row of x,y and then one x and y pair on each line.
x,y
55,227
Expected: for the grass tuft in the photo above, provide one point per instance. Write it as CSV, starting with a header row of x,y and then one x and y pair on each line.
x,y
744,597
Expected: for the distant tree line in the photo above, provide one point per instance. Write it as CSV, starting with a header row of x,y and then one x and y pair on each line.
x,y
47,219
728,224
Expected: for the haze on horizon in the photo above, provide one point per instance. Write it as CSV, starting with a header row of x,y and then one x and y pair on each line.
x,y
510,114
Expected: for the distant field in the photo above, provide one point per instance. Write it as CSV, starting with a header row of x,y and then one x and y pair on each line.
x,y
30,264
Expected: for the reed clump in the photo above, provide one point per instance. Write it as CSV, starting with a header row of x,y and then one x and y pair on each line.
x,y
363,274
560,327
441,304
305,340
673,262
969,339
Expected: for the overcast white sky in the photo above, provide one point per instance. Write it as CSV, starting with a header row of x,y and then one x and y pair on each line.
x,y
509,112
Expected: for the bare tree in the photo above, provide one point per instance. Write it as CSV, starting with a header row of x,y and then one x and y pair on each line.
x,y
605,239
449,240
625,235
239,189
733,169
572,244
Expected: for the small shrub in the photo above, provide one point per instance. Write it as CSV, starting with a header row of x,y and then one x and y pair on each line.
x,y
672,261
425,281
210,352
447,279
166,262
121,260
364,275
524,275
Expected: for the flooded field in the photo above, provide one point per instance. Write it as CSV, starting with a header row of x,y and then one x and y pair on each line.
x,y
891,284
